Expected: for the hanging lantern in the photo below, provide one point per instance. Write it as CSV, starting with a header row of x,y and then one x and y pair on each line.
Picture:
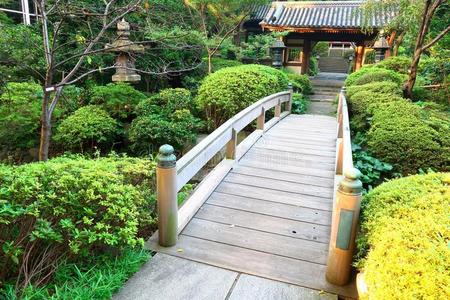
x,y
125,61
277,53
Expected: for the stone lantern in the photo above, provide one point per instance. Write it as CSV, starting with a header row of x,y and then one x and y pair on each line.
x,y
380,47
277,51
125,62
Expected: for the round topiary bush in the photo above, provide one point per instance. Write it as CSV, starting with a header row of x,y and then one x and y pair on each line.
x,y
403,240
398,64
300,83
383,87
230,90
401,134
118,99
87,128
365,102
371,74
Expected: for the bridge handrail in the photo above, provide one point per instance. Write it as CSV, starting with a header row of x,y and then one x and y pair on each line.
x,y
344,154
172,177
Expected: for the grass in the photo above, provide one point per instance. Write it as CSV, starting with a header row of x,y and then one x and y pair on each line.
x,y
95,279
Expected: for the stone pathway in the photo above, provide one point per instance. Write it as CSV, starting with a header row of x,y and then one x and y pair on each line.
x,y
167,277
326,86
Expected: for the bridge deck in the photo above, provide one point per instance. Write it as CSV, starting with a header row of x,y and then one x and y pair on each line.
x,y
271,215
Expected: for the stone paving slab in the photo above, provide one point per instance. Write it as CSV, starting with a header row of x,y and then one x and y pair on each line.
x,y
252,287
167,277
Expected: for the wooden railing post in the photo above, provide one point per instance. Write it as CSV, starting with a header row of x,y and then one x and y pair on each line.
x,y
278,109
231,145
166,191
261,119
291,93
343,228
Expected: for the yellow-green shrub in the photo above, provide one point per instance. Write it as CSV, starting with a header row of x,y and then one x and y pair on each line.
x,y
409,137
405,223
371,74
385,87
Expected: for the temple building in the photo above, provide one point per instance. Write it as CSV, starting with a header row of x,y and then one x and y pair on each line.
x,y
342,23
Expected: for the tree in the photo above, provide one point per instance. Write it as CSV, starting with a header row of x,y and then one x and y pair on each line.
x,y
74,36
411,13
218,19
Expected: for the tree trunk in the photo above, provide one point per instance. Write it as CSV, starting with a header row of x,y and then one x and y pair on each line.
x,y
409,85
209,62
46,132
398,42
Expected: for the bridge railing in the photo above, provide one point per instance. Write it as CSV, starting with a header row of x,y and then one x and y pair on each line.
x,y
346,204
171,176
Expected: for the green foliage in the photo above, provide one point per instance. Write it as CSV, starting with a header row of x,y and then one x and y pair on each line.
x,y
258,46
321,49
382,87
313,69
404,230
372,74
20,111
220,63
434,70
164,119
373,170
86,129
365,102
299,104
72,207
97,278
398,64
410,137
230,90
300,82
118,99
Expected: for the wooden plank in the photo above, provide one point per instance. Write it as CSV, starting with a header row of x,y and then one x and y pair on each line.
x,y
324,144
258,240
292,155
285,211
317,131
298,144
276,196
295,149
282,175
295,229
301,138
267,161
247,143
279,185
202,192
257,263
272,122
288,168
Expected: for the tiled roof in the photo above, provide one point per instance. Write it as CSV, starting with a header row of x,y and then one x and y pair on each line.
x,y
259,12
325,14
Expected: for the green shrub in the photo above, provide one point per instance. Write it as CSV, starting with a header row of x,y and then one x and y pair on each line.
x,y
164,118
371,74
72,207
398,64
434,70
364,103
87,128
118,99
230,90
404,228
382,87
20,111
313,69
300,83
299,104
402,134
220,63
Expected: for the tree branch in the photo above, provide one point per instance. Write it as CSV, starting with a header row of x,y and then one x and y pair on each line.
x,y
436,39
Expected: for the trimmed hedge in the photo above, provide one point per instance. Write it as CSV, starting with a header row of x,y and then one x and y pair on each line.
x,y
371,74
409,137
405,227
230,90
300,83
384,87
398,64
72,207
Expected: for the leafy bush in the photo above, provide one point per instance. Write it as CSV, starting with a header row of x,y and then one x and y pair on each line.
x,y
118,99
71,207
220,63
20,111
300,83
404,228
398,64
87,128
299,104
230,90
383,87
164,119
313,68
409,137
258,46
434,70
371,74
364,103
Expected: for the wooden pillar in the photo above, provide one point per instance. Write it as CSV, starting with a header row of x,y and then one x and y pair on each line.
x,y
306,54
359,55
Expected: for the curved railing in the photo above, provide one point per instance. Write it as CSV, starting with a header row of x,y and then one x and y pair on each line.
x,y
172,176
344,143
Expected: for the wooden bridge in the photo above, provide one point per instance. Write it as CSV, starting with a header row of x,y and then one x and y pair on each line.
x,y
267,208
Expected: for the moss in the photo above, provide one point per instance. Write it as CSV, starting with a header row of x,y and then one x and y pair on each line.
x,y
406,225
